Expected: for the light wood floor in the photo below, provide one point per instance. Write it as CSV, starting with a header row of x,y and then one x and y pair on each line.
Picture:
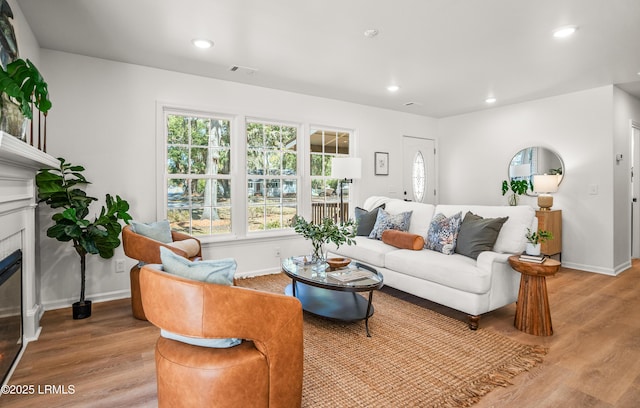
x,y
593,359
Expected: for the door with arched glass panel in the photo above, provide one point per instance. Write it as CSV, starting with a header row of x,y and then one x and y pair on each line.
x,y
418,170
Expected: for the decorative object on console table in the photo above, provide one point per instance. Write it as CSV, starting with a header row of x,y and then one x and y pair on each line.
x,y
551,221
533,314
381,160
345,169
517,187
544,185
57,188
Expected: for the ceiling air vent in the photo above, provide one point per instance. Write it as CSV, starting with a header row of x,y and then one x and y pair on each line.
x,y
412,104
243,70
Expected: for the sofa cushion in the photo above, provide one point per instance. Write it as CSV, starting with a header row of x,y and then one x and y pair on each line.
x,y
443,233
421,214
369,251
220,271
401,239
455,271
159,230
385,221
478,234
512,235
366,220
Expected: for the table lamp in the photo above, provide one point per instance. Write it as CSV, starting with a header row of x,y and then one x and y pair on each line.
x,y
544,184
345,169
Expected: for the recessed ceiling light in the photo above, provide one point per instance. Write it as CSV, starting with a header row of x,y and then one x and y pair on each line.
x,y
563,32
370,33
393,88
491,99
202,43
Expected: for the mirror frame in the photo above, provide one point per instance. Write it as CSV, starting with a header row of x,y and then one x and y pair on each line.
x,y
522,164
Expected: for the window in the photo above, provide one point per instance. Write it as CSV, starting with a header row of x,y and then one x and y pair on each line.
x,y
325,196
272,176
198,173
418,176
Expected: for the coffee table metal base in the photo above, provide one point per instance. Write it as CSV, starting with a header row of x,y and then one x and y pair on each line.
x,y
333,304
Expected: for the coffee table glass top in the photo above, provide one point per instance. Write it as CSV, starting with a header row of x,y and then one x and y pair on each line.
x,y
353,277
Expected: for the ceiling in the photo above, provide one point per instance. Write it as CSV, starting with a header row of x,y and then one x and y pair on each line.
x,y
447,56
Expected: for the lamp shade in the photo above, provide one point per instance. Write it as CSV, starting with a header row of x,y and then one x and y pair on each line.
x,y
545,183
346,168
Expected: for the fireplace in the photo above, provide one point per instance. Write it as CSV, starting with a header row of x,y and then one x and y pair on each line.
x,y
19,163
10,311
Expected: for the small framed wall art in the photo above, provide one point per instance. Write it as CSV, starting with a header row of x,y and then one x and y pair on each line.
x,y
381,163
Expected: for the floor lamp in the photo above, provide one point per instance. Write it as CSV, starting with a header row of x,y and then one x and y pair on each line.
x,y
345,169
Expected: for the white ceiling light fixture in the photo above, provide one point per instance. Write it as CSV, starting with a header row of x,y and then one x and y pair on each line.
x,y
490,99
393,88
202,43
370,33
565,31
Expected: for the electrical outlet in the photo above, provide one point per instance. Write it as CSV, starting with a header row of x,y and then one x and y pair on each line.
x,y
277,254
119,265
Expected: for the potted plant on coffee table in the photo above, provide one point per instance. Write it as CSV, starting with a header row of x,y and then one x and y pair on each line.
x,y
324,232
59,189
534,239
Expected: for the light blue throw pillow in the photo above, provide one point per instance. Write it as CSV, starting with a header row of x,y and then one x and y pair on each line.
x,y
219,271
160,230
385,221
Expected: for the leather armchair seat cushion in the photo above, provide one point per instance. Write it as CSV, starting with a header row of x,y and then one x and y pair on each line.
x,y
192,376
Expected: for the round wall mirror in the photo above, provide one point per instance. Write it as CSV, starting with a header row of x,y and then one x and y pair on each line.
x,y
535,160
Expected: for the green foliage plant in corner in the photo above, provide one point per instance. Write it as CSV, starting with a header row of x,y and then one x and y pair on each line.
x,y
59,188
324,232
517,187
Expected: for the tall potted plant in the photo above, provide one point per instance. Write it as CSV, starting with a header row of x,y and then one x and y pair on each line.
x,y
59,189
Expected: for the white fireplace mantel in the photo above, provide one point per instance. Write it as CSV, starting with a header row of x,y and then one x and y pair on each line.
x,y
19,163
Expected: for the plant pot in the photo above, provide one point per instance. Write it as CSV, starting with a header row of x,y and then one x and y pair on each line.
x,y
81,310
532,249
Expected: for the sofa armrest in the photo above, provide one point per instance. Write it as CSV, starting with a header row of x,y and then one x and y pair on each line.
x,y
486,259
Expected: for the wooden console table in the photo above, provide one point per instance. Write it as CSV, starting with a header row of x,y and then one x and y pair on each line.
x,y
551,221
533,314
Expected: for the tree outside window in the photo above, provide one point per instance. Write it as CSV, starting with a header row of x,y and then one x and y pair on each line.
x,y
198,174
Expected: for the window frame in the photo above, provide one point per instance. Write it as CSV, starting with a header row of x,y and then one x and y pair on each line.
x,y
238,145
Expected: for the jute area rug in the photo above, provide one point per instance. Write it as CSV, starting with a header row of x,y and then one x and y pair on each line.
x,y
415,357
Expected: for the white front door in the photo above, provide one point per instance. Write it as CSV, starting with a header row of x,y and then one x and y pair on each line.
x,y
418,170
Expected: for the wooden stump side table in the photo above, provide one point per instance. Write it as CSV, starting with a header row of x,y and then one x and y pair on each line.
x,y
533,314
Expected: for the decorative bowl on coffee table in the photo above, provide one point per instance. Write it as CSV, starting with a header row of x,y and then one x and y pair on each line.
x,y
335,263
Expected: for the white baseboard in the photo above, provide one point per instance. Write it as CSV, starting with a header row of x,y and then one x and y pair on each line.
x,y
589,268
251,274
94,298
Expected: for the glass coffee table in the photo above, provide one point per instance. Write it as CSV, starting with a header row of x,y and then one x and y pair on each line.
x,y
332,293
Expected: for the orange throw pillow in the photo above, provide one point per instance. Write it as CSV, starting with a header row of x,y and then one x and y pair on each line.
x,y
401,239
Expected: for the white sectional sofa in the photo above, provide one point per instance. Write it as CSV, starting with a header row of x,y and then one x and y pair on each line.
x,y
457,281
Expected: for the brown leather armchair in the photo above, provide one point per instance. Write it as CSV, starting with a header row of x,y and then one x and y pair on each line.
x,y
265,370
147,251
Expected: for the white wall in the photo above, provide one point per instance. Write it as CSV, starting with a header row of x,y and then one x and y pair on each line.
x,y
476,148
626,108
104,117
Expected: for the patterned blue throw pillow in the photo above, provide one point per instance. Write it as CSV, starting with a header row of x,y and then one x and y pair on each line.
x,y
443,233
385,221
